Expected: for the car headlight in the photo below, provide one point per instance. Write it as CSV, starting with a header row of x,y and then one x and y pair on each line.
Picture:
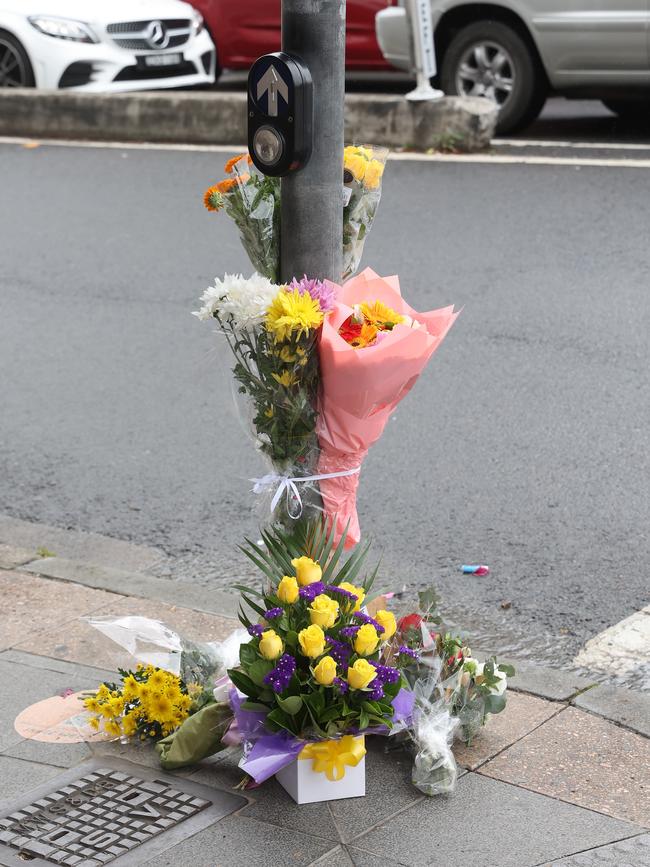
x,y
63,28
197,22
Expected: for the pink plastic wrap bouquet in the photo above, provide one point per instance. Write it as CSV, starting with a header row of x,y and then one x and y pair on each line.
x,y
372,349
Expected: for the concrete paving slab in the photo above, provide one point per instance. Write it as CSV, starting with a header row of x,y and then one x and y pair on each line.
x,y
78,642
11,556
625,706
336,858
388,789
585,760
132,583
32,604
269,802
367,859
73,669
238,841
634,852
19,777
79,545
487,823
551,683
59,755
19,688
522,714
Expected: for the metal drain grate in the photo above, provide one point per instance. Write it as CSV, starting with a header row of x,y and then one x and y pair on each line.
x,y
107,812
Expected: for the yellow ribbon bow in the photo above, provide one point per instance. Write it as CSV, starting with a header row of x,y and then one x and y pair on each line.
x,y
331,757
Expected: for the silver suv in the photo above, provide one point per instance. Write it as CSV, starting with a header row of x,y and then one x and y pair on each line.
x,y
518,51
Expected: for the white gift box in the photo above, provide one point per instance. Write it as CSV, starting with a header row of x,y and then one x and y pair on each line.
x,y
306,786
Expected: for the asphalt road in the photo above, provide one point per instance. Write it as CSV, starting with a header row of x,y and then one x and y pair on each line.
x,y
524,446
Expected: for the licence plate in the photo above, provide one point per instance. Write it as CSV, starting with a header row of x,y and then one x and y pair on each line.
x,y
160,59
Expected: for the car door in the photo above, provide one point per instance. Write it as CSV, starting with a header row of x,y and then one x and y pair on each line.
x,y
361,46
593,42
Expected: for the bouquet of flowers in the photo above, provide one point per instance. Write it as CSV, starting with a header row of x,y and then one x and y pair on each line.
x,y
252,201
148,703
363,169
272,332
324,367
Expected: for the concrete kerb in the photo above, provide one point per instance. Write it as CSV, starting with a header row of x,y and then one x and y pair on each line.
x,y
219,117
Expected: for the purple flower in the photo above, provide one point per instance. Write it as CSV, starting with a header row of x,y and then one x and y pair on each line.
x,y
377,692
408,651
332,588
341,684
385,674
311,591
256,630
339,651
272,613
365,618
349,631
278,679
321,292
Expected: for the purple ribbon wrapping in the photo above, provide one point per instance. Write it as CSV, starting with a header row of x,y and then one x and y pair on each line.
x,y
266,753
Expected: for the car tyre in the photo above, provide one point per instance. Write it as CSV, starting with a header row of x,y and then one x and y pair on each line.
x,y
488,58
15,67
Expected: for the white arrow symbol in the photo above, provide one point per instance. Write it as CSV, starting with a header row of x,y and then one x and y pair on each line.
x,y
275,85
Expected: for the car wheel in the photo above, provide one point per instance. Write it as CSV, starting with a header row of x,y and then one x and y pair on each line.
x,y
490,59
15,68
636,111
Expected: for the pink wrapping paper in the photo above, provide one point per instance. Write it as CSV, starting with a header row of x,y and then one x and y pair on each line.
x,y
360,388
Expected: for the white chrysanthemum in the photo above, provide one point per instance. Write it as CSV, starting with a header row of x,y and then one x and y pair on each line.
x,y
240,301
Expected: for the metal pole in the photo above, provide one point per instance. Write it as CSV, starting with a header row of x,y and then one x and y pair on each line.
x,y
312,198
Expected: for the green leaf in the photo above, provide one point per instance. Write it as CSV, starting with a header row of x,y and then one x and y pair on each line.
x,y
258,671
291,704
243,683
280,720
508,670
255,706
247,654
253,605
495,703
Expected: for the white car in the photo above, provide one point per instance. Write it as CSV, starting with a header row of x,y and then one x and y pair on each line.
x,y
104,45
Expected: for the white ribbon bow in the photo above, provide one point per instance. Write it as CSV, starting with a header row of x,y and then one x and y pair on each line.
x,y
289,484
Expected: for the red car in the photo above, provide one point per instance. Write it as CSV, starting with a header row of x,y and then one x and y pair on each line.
x,y
245,30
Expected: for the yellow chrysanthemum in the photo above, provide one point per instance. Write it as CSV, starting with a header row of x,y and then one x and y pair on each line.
x,y
113,727
129,725
269,412
287,354
357,149
103,692
286,378
91,704
116,706
292,314
157,680
160,708
380,315
130,687
94,722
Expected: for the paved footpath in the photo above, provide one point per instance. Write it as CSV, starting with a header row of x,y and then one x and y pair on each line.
x,y
560,778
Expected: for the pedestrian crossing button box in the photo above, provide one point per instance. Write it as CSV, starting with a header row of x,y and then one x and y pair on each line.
x,y
280,107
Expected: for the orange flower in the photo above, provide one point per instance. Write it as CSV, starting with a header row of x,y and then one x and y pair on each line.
x,y
210,197
230,165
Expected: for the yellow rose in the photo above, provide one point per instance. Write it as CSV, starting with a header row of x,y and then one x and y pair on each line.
x,y
288,590
373,175
312,641
324,611
387,620
325,671
366,640
307,571
361,674
359,592
270,644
